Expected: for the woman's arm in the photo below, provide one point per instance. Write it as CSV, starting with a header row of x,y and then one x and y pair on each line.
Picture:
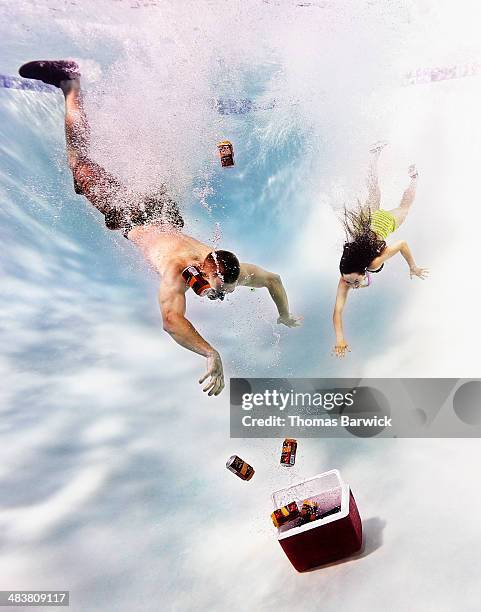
x,y
341,345
401,246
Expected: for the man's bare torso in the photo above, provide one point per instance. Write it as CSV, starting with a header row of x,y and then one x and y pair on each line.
x,y
168,251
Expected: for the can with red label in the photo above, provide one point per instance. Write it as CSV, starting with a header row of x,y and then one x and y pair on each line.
x,y
193,277
285,514
309,511
240,468
226,152
289,449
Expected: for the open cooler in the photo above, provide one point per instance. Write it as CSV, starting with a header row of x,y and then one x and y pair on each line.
x,y
335,535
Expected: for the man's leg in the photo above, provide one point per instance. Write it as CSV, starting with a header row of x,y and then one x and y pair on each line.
x,y
96,184
102,189
77,132
65,75
401,212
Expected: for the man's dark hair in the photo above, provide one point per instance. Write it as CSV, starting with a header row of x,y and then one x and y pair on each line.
x,y
226,264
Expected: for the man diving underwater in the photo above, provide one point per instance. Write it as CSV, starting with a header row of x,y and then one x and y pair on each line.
x,y
153,223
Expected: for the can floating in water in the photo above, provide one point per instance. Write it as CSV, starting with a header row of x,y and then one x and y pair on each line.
x,y
226,152
309,510
196,281
239,467
289,449
285,514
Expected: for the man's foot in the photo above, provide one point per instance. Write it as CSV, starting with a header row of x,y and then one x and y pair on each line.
x,y
51,72
378,146
413,172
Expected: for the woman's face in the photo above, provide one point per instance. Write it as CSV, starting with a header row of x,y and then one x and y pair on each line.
x,y
355,280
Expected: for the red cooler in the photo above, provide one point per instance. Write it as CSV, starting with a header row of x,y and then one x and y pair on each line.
x,y
336,534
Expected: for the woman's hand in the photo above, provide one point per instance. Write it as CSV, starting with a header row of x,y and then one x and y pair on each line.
x,y
341,349
420,272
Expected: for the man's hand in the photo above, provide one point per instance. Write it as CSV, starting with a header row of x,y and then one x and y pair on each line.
x,y
216,373
290,320
420,272
341,349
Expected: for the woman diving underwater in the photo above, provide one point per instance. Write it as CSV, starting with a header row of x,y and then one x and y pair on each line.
x,y
365,250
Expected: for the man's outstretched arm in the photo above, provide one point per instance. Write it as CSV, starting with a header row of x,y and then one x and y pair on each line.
x,y
254,276
172,307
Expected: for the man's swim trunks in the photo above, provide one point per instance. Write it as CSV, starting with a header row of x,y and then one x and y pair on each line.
x,y
122,209
383,223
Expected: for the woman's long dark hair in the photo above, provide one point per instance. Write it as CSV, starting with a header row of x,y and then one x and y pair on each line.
x,y
362,243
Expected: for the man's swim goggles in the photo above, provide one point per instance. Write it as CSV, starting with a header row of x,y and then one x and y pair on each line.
x,y
196,281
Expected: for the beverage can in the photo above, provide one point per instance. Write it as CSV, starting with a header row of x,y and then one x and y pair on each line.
x,y
240,468
289,450
226,153
285,514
